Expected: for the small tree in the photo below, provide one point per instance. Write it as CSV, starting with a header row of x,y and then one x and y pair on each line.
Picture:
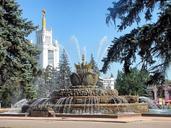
x,y
94,65
96,70
46,82
133,83
64,71
30,92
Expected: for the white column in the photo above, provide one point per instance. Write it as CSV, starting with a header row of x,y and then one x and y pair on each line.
x,y
155,93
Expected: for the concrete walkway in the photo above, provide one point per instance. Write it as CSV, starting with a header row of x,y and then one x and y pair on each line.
x,y
54,122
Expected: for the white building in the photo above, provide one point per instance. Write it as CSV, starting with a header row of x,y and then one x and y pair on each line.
x,y
109,83
49,50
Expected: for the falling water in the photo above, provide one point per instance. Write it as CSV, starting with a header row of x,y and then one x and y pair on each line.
x,y
16,108
67,105
75,40
85,101
39,102
150,102
101,43
20,103
59,104
90,105
97,105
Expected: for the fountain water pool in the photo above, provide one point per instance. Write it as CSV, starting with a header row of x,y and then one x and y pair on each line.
x,y
160,111
154,110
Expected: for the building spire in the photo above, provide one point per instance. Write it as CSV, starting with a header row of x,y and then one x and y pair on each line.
x,y
43,19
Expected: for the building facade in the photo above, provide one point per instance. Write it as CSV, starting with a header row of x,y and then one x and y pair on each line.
x,y
159,92
108,83
49,50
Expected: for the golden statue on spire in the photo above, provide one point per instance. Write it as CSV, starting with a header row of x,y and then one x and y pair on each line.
x,y
43,12
43,19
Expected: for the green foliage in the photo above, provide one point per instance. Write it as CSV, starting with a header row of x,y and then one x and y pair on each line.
x,y
30,91
17,54
96,70
46,82
94,65
151,42
64,71
133,83
6,94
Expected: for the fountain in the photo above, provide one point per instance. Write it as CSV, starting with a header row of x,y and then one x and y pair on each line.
x,y
150,102
84,98
154,110
16,109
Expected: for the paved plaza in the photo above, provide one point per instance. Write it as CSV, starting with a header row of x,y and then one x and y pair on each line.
x,y
133,122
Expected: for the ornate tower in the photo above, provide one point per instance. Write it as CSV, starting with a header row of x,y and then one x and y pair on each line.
x,y
49,50
43,19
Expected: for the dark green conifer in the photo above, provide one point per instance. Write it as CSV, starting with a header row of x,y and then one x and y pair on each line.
x,y
64,71
17,54
151,42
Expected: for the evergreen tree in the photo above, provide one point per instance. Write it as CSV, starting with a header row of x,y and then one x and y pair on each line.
x,y
39,84
97,71
17,54
64,71
111,75
94,65
151,42
47,82
133,83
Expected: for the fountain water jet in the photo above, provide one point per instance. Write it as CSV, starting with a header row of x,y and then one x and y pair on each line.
x,y
16,109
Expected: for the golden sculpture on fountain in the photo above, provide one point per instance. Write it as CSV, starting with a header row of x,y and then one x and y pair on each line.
x,y
84,76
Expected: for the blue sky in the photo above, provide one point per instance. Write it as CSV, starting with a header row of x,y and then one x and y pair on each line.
x,y
79,26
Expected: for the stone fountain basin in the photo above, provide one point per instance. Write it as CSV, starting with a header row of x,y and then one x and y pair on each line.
x,y
15,114
113,108
118,115
101,99
4,110
104,110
